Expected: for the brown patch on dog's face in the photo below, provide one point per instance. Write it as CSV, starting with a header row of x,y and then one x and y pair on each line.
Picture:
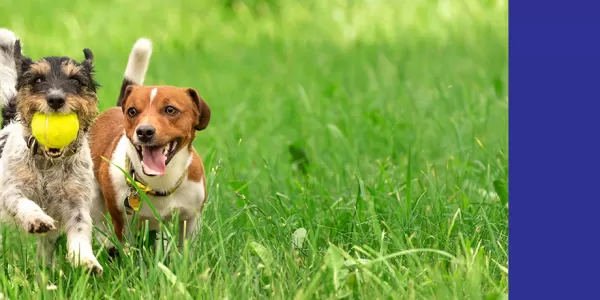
x,y
163,117
57,85
40,68
70,68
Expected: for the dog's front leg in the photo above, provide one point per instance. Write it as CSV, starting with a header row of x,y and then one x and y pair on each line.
x,y
78,228
25,212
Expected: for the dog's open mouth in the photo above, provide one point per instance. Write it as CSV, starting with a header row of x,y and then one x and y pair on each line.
x,y
54,152
155,158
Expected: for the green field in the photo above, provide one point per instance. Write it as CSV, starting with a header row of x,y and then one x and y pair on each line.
x,y
378,127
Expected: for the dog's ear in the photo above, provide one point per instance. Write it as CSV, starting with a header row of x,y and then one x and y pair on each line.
x,y
22,63
88,62
124,96
203,109
88,67
89,56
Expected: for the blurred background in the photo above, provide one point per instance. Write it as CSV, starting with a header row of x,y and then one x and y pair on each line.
x,y
378,124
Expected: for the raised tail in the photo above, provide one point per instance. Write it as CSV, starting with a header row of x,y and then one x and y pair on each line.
x,y
137,65
8,75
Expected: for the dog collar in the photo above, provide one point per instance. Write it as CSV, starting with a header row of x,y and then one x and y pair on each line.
x,y
133,200
34,147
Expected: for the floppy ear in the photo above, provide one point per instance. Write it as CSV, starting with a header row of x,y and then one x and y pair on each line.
x,y
124,96
203,109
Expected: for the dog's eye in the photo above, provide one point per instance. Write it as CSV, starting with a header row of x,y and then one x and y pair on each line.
x,y
170,110
131,112
75,81
39,80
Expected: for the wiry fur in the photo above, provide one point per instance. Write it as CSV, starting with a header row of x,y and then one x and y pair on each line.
x,y
41,195
8,70
41,191
8,75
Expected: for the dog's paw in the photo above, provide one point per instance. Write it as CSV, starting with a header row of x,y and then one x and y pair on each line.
x,y
39,223
86,260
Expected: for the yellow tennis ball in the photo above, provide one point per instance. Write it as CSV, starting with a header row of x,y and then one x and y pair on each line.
x,y
54,130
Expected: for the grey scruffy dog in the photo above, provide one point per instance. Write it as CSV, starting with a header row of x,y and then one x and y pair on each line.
x,y
47,191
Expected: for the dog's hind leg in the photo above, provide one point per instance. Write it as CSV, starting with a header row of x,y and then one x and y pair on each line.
x,y
46,246
103,235
100,220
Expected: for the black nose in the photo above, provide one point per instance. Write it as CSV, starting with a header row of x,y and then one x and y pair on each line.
x,y
55,101
145,132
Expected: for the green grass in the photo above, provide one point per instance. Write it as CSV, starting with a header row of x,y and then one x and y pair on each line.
x,y
378,127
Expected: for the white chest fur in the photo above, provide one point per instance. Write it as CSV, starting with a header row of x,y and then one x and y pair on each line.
x,y
186,200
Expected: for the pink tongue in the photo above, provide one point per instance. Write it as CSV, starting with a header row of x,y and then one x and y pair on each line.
x,y
154,161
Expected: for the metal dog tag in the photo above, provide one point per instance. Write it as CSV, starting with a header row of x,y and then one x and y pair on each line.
x,y
133,201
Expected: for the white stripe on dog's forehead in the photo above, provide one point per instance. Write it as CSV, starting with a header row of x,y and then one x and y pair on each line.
x,y
153,94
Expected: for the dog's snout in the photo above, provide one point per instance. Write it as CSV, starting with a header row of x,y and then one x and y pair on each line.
x,y
145,133
55,101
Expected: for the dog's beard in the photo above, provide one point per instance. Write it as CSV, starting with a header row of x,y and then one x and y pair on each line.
x,y
86,109
28,107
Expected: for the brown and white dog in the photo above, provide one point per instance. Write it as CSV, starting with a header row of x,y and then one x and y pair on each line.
x,y
149,134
